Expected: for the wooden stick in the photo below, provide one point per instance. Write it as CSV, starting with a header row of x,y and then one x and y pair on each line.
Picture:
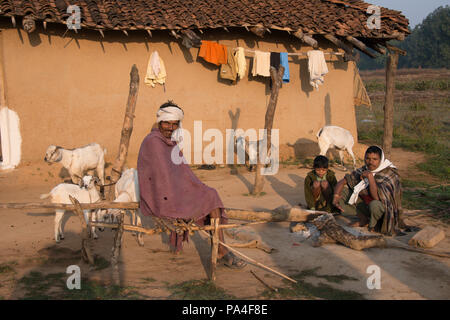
x,y
116,250
127,129
264,283
360,46
128,227
86,252
251,260
214,247
84,206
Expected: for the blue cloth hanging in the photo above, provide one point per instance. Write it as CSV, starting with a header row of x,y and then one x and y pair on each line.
x,y
285,64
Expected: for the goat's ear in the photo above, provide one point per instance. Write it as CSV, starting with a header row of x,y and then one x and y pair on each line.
x,y
97,180
81,183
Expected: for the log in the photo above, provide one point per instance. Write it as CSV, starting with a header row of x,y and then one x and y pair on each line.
x,y
126,130
293,214
331,232
360,46
214,247
86,252
395,49
391,68
277,77
309,40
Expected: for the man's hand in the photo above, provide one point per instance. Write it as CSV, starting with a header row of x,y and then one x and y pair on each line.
x,y
335,202
316,185
366,174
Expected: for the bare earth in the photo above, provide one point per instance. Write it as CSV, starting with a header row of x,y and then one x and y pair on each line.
x,y
27,242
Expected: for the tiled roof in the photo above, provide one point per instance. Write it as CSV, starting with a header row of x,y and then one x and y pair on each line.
x,y
340,17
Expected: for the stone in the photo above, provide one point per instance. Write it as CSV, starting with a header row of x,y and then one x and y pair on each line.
x,y
427,238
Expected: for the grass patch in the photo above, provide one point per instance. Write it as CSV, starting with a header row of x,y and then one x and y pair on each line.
x,y
414,85
419,195
198,290
101,263
38,286
303,289
7,267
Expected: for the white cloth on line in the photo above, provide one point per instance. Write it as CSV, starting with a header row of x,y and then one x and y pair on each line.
x,y
317,67
241,64
261,64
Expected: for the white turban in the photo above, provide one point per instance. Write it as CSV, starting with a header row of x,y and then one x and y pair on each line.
x,y
172,114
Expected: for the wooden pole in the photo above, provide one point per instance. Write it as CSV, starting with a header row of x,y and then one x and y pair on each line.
x,y
116,251
86,252
360,46
214,247
276,77
127,129
391,67
84,206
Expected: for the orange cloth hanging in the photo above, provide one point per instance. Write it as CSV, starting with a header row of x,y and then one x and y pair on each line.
x,y
213,52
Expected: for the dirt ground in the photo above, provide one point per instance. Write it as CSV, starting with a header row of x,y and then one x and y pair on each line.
x,y
27,244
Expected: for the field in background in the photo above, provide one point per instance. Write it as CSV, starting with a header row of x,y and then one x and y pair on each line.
x,y
421,123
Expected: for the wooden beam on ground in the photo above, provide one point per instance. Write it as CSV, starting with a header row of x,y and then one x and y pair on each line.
x,y
127,129
277,79
306,38
360,46
294,214
391,68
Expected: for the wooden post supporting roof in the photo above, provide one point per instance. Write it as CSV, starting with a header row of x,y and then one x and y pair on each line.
x,y
391,67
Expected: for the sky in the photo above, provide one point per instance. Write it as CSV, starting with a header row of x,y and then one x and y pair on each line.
x,y
414,10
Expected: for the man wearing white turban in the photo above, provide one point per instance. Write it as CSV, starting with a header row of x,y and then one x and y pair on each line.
x,y
170,190
373,193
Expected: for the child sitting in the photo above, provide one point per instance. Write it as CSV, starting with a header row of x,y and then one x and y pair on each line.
x,y
319,186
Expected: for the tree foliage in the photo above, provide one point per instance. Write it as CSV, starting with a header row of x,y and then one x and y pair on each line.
x,y
428,45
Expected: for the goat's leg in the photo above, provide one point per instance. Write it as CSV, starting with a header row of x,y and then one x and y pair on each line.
x,y
87,214
350,151
341,156
58,222
101,172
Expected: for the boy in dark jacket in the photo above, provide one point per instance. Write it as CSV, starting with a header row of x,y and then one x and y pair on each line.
x,y
319,186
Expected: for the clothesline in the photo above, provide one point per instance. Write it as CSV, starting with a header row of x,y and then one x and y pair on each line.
x,y
298,53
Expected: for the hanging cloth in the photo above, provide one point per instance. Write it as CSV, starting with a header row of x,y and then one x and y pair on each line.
x,y
228,70
155,63
359,90
275,60
213,52
261,64
317,67
285,64
241,64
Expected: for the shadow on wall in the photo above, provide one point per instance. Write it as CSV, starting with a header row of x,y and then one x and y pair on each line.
x,y
304,148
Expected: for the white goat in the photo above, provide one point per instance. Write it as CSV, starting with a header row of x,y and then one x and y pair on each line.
x,y
79,161
250,150
84,193
340,138
127,190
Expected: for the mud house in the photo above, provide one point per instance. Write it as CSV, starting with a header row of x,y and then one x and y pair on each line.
x,y
70,88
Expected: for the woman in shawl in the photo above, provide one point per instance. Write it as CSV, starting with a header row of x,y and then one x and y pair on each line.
x,y
373,193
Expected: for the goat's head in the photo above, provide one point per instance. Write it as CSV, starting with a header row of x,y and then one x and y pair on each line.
x,y
88,182
53,154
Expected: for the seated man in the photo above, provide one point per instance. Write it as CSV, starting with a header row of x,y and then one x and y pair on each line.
x,y
319,186
373,193
168,187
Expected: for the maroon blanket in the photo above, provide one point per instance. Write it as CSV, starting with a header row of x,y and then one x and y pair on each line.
x,y
168,190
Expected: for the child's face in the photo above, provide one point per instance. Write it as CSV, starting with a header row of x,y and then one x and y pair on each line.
x,y
321,171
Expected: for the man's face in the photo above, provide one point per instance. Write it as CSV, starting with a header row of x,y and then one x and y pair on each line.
x,y
168,127
372,161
